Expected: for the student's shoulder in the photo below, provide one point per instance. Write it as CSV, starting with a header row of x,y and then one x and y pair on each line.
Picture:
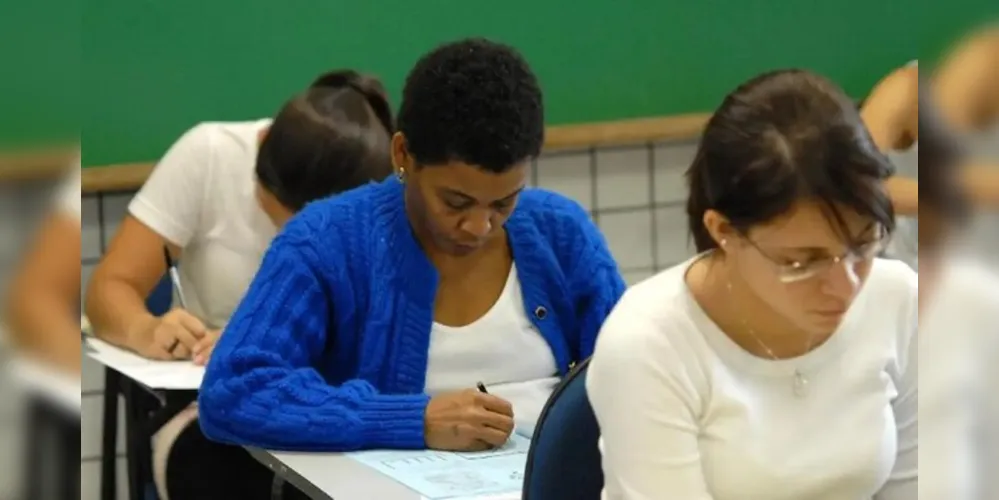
x,y
562,221
208,146
890,297
893,285
240,136
545,205
658,313
894,277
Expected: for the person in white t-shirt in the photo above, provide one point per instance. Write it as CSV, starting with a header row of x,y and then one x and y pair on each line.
x,y
42,311
216,200
218,197
781,362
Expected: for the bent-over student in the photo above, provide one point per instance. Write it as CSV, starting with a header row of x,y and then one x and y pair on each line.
x,y
780,363
376,314
215,201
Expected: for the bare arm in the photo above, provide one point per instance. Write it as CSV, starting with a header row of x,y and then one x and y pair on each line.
x,y
131,268
890,114
165,213
42,306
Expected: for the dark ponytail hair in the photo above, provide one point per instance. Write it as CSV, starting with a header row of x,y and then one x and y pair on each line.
x,y
368,86
330,138
778,138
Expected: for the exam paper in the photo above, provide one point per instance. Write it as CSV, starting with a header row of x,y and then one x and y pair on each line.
x,y
441,475
166,375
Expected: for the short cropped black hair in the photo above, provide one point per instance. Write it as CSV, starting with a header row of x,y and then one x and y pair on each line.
x,y
781,137
330,138
473,101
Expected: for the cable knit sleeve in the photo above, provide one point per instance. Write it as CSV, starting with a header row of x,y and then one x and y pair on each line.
x,y
261,388
592,272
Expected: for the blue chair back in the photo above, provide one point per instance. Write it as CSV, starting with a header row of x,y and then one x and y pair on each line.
x,y
160,299
563,462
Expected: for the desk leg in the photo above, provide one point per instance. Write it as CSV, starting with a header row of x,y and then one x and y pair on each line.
x,y
133,438
69,436
33,452
277,488
109,445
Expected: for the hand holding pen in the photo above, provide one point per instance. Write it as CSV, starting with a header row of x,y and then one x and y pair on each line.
x,y
468,420
176,334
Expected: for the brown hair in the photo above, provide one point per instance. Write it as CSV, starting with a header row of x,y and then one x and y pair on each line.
x,y
330,138
780,137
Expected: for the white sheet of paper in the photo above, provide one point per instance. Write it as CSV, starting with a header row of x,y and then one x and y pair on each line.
x,y
443,475
166,375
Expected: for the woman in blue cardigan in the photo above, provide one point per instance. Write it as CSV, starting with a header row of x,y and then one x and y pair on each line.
x,y
376,314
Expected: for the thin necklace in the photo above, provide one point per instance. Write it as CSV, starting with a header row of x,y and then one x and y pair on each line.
x,y
799,386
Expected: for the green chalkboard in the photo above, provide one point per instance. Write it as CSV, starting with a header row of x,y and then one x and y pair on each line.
x,y
39,73
156,67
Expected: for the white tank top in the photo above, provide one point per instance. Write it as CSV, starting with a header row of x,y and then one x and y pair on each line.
x,y
503,350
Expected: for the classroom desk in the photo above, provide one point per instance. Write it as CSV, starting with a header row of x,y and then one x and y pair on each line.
x,y
152,375
332,476
173,384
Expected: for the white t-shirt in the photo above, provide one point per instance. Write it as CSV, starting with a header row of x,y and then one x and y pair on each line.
x,y
959,407
201,197
503,350
685,413
68,198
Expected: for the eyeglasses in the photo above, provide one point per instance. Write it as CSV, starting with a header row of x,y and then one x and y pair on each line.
x,y
795,271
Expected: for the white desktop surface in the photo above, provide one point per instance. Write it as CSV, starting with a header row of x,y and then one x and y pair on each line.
x,y
157,375
333,476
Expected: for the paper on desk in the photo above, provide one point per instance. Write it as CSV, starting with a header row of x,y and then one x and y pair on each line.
x,y
166,375
441,475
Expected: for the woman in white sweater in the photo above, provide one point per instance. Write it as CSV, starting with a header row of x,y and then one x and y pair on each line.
x,y
780,363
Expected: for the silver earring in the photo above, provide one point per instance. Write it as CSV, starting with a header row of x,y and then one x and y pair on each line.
x,y
401,175
724,242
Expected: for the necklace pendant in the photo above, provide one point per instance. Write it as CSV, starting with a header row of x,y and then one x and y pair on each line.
x,y
800,386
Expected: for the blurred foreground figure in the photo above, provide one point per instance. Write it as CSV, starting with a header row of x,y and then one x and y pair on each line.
x,y
959,344
41,320
42,314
